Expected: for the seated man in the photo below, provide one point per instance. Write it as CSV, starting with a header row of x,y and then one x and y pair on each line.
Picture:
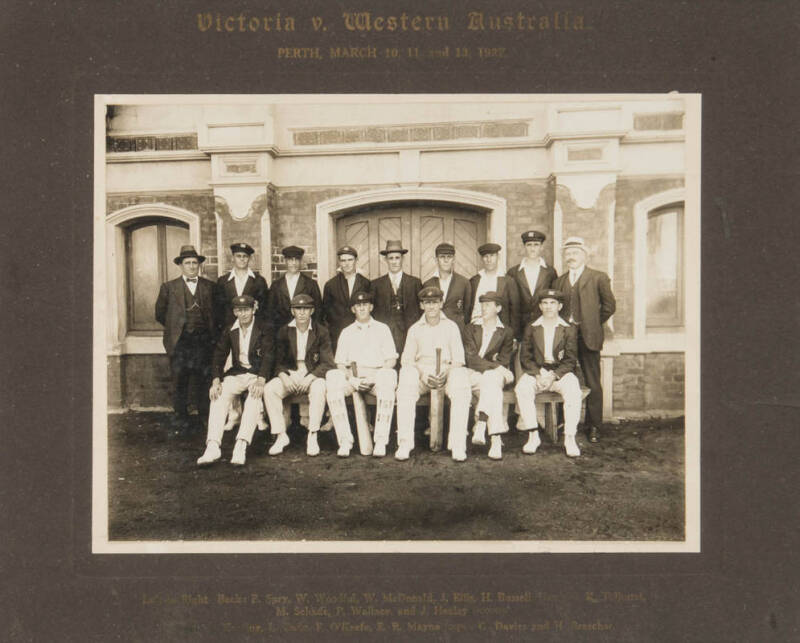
x,y
367,344
488,349
302,358
248,343
431,333
548,355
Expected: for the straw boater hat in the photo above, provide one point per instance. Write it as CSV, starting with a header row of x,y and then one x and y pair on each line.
x,y
575,242
394,246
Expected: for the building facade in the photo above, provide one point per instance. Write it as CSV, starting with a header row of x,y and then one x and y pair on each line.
x,y
319,172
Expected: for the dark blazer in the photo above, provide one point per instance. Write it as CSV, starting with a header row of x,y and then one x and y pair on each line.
x,y
597,304
528,307
260,349
319,357
171,309
565,350
507,289
382,311
226,290
279,304
458,303
336,313
498,353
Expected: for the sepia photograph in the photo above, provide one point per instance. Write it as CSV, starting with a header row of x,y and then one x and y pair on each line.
x,y
396,323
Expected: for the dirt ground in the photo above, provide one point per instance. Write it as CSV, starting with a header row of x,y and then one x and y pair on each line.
x,y
628,486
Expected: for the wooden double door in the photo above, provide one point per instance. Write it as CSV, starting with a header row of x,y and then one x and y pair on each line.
x,y
420,227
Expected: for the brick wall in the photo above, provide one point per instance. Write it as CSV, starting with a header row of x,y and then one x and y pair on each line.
x,y
629,192
652,381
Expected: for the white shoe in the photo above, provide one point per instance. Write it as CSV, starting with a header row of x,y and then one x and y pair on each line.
x,y
239,451
496,450
459,455
211,454
533,443
261,423
281,442
327,426
344,450
379,450
402,453
571,446
312,446
479,432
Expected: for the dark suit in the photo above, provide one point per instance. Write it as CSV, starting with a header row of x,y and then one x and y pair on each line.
x,y
279,308
336,313
189,352
498,353
458,301
407,312
319,357
597,304
528,305
565,350
260,349
507,289
226,290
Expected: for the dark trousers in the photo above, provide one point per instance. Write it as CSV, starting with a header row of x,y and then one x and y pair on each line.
x,y
590,365
191,362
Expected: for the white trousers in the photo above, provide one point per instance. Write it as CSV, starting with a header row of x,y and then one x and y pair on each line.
x,y
274,394
338,388
409,389
570,390
489,387
233,386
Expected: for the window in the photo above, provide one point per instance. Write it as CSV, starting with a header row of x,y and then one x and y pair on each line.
x,y
150,245
665,267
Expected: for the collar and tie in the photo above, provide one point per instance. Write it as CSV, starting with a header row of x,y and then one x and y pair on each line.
x,y
191,280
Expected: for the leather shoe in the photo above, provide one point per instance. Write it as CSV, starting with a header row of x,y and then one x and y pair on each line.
x,y
496,450
312,446
211,454
571,446
281,442
239,451
479,433
533,443
594,435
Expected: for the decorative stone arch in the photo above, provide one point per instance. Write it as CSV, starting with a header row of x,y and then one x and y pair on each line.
x,y
328,211
640,212
115,314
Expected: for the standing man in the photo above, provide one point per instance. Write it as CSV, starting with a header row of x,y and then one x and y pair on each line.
x,y
288,286
588,304
395,295
490,280
488,348
419,375
302,358
336,295
241,280
248,343
548,356
532,275
457,292
367,344
185,307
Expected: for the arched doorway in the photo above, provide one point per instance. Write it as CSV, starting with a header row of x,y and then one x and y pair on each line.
x,y
422,217
421,227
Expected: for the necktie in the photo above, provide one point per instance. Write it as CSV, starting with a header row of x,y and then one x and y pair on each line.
x,y
191,280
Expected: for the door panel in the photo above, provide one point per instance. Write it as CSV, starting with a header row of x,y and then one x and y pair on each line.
x,y
420,227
